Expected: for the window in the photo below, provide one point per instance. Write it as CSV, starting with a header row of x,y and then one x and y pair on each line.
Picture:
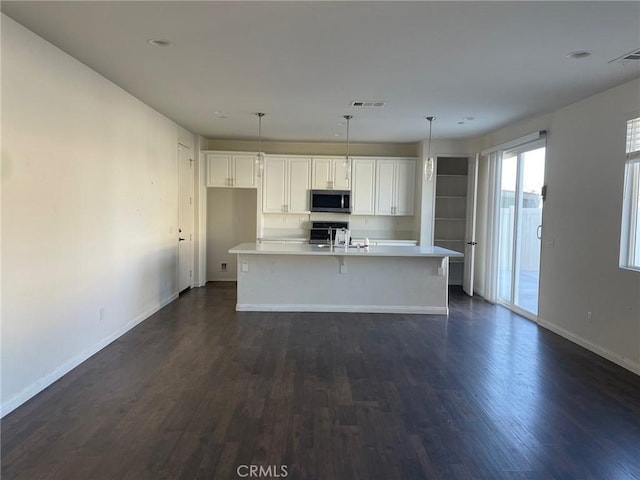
x,y
630,236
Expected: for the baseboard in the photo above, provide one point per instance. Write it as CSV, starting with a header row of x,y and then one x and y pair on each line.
x,y
597,349
39,385
252,307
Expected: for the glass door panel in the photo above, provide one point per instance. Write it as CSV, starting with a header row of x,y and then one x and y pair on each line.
x,y
506,222
530,231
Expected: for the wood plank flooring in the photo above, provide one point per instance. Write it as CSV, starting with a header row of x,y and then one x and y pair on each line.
x,y
198,391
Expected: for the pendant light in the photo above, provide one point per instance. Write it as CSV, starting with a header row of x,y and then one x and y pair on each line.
x,y
259,158
346,158
429,163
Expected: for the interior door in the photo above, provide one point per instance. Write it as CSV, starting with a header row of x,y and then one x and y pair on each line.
x,y
185,218
470,228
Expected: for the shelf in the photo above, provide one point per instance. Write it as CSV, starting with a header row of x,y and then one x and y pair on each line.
x,y
450,210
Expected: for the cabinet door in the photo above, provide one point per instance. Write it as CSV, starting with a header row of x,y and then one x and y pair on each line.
x,y
341,174
275,185
218,174
244,170
299,180
385,186
405,187
321,175
363,189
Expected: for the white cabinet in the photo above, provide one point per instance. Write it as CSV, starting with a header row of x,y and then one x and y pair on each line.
x,y
395,186
287,181
331,174
231,170
363,188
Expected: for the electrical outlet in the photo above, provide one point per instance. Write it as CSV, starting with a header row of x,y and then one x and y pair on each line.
x,y
589,317
223,267
101,314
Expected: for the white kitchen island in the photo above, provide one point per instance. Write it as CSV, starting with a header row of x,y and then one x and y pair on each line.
x,y
312,278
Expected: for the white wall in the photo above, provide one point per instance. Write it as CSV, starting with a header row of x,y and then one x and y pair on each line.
x,y
584,173
231,219
89,212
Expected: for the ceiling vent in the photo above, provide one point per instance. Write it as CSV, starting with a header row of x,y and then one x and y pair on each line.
x,y
368,104
633,55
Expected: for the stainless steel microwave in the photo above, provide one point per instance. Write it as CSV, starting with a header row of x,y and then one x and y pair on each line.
x,y
337,201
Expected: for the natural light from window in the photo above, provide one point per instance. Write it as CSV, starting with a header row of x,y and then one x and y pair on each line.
x,y
630,231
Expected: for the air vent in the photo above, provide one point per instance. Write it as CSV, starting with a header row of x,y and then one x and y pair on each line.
x,y
634,55
368,104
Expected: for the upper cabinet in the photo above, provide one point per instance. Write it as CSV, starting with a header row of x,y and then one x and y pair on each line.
x,y
287,181
363,188
395,186
231,170
331,174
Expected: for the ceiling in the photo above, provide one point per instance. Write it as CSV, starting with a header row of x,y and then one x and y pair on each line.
x,y
303,63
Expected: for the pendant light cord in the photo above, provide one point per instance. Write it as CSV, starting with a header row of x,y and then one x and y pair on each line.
x,y
348,119
259,163
430,125
346,159
260,115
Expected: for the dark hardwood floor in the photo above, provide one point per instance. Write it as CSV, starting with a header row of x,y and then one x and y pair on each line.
x,y
198,391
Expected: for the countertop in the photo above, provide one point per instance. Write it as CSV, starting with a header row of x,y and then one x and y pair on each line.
x,y
254,248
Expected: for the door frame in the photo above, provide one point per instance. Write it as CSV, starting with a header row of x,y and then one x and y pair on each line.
x,y
190,258
471,182
517,224
470,226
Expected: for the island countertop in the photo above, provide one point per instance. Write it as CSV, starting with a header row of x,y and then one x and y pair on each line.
x,y
255,248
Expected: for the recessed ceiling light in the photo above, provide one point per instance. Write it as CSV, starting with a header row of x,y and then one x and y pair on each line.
x,y
337,134
160,42
469,118
579,54
460,123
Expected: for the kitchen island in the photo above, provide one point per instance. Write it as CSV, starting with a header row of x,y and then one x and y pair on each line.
x,y
318,278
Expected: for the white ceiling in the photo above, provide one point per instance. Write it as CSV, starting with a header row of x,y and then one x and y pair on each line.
x,y
303,63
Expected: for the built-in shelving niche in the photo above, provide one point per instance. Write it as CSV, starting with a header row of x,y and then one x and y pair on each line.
x,y
450,213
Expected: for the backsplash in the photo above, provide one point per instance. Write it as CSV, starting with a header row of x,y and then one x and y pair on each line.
x,y
362,226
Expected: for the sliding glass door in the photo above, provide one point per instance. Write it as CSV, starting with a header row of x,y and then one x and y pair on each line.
x,y
520,226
